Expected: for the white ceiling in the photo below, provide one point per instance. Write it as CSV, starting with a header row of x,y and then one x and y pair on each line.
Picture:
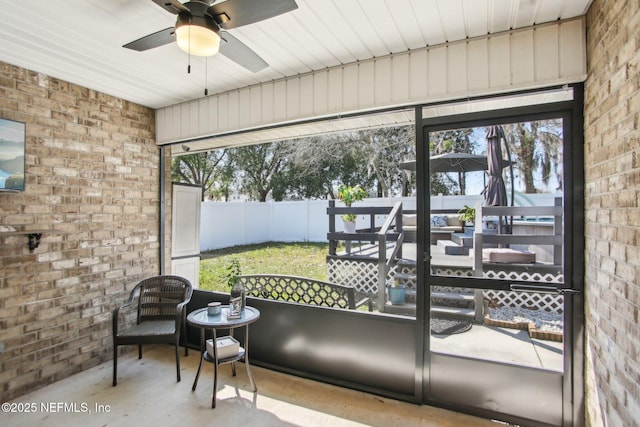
x,y
80,40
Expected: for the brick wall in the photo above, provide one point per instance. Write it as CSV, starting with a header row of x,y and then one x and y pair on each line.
x,y
612,172
92,170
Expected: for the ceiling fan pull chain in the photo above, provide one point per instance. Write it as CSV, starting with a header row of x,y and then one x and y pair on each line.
x,y
189,53
206,81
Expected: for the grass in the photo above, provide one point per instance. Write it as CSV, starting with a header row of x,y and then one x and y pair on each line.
x,y
296,259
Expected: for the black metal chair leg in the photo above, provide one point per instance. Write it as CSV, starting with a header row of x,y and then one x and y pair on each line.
x,y
178,358
115,365
203,348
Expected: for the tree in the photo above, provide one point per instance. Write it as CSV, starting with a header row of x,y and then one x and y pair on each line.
x,y
257,168
537,146
314,165
384,149
197,168
450,141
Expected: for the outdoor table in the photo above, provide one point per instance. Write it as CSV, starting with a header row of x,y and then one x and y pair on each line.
x,y
201,319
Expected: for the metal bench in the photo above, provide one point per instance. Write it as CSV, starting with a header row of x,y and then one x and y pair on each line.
x,y
301,290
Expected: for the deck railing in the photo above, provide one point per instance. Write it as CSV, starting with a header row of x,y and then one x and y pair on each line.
x,y
385,262
387,235
554,239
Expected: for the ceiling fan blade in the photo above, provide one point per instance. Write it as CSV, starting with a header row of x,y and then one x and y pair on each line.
x,y
159,38
172,6
240,53
236,13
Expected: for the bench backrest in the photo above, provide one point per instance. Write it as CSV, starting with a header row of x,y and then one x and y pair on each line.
x,y
299,289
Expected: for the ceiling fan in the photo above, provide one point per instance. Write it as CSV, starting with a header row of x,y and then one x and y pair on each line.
x,y
200,26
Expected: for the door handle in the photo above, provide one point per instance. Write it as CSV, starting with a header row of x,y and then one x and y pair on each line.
x,y
543,289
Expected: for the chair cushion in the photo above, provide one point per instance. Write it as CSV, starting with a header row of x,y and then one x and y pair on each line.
x,y
409,220
156,327
453,220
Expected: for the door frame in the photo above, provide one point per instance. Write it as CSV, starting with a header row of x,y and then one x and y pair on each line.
x,y
571,112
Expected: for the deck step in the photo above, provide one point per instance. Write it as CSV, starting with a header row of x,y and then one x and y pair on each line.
x,y
407,309
463,239
406,276
452,248
452,312
456,296
406,262
443,244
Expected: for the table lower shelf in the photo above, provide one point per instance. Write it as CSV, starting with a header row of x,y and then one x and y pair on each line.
x,y
239,356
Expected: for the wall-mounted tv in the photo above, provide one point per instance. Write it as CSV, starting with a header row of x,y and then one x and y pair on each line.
x,y
12,150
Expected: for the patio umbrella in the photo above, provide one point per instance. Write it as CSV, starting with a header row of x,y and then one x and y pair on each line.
x,y
457,162
451,162
496,192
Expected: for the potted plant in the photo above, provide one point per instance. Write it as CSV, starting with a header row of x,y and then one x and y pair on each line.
x,y
467,217
348,195
397,292
233,281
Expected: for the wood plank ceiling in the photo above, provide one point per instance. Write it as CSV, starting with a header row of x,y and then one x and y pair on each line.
x,y
80,40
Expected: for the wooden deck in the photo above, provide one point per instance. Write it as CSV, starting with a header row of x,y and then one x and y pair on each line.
x,y
409,252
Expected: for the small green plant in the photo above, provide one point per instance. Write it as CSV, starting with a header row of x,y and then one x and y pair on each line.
x,y
349,195
467,214
233,271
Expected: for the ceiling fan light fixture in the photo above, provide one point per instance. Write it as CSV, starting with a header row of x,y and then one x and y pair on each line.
x,y
197,36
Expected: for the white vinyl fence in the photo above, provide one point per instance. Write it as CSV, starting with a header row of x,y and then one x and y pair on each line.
x,y
226,224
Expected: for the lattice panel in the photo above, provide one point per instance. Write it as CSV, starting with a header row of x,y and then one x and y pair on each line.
x,y
529,300
455,272
404,269
362,276
528,276
297,289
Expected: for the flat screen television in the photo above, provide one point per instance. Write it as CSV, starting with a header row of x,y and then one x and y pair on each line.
x,y
12,151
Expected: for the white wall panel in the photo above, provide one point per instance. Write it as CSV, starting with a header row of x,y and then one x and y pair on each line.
x,y
383,79
366,84
234,110
306,95
244,107
223,112
437,72
419,83
320,92
521,43
350,87
399,78
572,48
280,101
547,61
213,113
335,90
293,97
267,104
540,56
203,116
457,67
499,61
478,70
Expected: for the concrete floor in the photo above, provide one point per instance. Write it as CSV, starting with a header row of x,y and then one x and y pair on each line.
x,y
504,345
147,394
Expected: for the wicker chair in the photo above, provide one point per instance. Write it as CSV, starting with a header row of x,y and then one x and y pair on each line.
x,y
161,311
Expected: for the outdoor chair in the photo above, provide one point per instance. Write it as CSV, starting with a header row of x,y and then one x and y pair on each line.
x,y
160,305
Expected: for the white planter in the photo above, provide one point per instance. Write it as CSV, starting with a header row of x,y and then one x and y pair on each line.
x,y
349,227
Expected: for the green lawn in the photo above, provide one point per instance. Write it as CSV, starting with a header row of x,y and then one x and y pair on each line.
x,y
296,259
